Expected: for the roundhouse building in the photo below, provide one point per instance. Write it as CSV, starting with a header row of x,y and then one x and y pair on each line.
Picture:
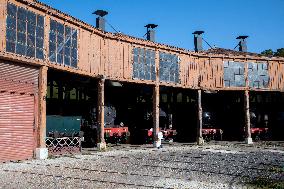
x,y
52,64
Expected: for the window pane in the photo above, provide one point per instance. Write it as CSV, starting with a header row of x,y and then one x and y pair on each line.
x,y
21,38
67,51
60,58
39,53
11,35
21,26
11,10
67,60
22,14
74,34
31,40
20,49
39,32
53,25
40,21
30,51
74,53
74,62
68,43
52,56
60,40
67,31
52,47
52,37
39,43
11,22
31,29
74,43
31,17
60,28
10,46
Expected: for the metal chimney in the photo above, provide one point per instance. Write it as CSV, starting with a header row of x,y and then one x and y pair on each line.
x,y
242,43
100,21
151,32
198,40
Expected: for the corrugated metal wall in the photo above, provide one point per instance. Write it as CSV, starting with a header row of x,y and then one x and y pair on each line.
x,y
18,90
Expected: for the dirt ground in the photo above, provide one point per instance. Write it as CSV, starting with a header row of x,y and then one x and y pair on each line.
x,y
214,165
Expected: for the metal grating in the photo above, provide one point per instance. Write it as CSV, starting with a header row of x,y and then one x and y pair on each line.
x,y
234,74
25,32
63,42
144,64
169,68
258,75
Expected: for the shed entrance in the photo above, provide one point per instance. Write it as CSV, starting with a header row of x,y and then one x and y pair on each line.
x,y
18,89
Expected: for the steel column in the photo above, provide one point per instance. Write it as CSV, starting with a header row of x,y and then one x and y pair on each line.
x,y
101,116
156,113
199,137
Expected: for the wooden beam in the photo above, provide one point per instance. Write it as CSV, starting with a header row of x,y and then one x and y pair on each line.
x,y
247,118
42,106
199,137
156,113
101,116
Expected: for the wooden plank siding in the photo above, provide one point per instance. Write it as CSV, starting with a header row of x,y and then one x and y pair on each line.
x,y
3,9
110,55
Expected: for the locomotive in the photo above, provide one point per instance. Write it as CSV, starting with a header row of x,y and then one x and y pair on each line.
x,y
113,133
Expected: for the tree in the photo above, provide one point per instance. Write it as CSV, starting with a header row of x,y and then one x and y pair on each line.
x,y
270,53
279,52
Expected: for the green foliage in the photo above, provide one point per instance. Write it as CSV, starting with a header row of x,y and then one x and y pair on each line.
x,y
279,52
270,53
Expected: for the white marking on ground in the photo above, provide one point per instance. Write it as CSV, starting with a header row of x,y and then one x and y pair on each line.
x,y
223,151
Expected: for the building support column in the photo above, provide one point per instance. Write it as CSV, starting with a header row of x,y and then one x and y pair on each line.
x,y
248,138
101,144
199,138
156,113
41,150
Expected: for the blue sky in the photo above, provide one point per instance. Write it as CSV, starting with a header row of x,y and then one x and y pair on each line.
x,y
222,20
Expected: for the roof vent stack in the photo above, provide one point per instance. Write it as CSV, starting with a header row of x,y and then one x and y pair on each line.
x,y
100,20
198,40
242,43
151,32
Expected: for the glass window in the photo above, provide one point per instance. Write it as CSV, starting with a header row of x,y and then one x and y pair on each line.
x,y
144,64
169,68
24,32
63,44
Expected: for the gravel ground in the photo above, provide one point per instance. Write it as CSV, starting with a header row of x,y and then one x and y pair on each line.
x,y
215,165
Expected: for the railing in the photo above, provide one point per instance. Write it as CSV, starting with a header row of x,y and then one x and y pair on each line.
x,y
63,145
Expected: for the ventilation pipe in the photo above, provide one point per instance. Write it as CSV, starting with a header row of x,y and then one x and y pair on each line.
x,y
151,32
100,20
198,40
242,43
